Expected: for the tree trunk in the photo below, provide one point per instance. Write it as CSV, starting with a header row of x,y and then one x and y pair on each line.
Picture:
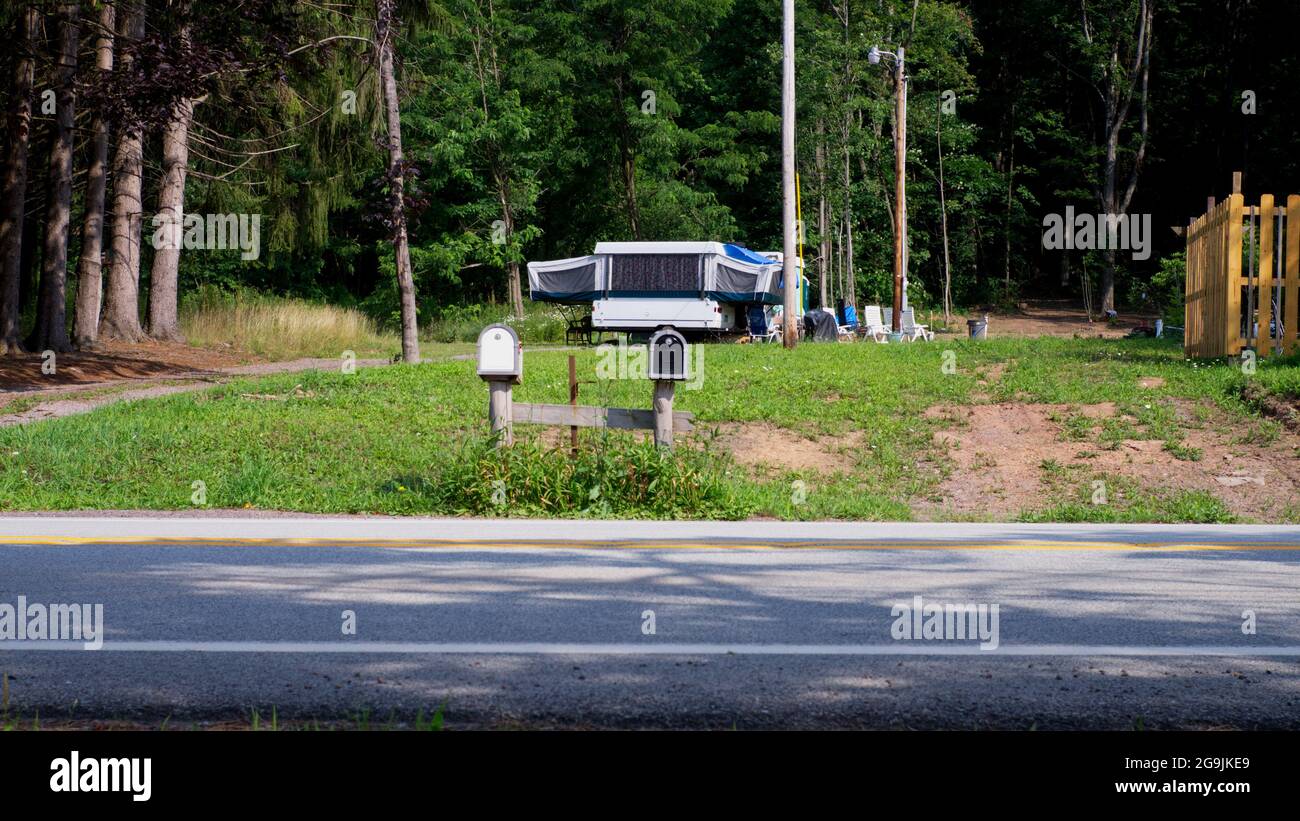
x,y
90,266
384,36
121,315
629,188
1110,206
833,261
1011,178
516,290
513,285
824,248
839,261
51,331
15,182
846,278
1108,282
849,295
1119,94
163,322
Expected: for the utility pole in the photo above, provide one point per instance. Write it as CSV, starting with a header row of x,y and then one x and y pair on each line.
x,y
900,182
943,217
789,257
874,56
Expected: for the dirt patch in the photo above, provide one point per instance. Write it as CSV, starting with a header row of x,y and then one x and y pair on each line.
x,y
759,446
961,414
1151,382
999,452
992,373
763,446
1047,318
1286,411
1101,410
115,362
1255,481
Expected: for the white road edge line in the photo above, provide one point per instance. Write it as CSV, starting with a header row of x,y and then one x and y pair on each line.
x,y
649,649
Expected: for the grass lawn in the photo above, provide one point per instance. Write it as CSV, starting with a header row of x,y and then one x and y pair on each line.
x,y
856,439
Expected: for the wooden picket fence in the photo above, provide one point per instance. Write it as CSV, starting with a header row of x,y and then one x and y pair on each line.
x,y
1230,307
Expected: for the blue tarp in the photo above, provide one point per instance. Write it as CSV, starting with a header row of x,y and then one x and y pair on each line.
x,y
738,252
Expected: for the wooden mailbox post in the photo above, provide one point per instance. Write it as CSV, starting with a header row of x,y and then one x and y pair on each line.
x,y
669,365
501,365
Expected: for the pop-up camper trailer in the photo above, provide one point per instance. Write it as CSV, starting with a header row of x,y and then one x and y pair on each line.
x,y
641,286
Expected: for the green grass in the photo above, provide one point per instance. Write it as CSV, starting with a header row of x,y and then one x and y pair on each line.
x,y
412,440
1126,501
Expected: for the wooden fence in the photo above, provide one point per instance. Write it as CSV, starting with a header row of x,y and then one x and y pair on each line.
x,y
1243,278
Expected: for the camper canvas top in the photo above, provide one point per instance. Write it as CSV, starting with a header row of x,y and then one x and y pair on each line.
x,y
718,271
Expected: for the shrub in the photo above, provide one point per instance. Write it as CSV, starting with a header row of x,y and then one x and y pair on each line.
x,y
618,478
541,322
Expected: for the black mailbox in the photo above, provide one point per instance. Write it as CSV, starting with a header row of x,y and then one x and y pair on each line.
x,y
668,359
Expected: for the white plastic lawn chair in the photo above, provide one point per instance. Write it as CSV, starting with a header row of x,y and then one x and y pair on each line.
x,y
913,331
873,325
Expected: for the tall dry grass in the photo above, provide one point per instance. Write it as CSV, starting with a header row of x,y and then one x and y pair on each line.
x,y
279,327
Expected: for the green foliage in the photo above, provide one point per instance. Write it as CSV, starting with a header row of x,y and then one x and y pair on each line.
x,y
535,130
1166,290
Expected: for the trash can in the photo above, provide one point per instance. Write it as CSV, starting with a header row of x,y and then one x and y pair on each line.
x,y
978,328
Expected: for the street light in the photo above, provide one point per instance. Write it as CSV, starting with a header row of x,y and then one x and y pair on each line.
x,y
900,179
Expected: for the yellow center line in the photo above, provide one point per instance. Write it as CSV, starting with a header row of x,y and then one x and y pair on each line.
x,y
645,544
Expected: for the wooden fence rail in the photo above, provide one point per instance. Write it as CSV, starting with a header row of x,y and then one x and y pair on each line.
x,y
1229,307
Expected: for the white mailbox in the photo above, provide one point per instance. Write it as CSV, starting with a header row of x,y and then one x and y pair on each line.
x,y
500,356
668,359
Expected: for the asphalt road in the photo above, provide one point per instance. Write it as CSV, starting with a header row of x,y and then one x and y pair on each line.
x,y
755,624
